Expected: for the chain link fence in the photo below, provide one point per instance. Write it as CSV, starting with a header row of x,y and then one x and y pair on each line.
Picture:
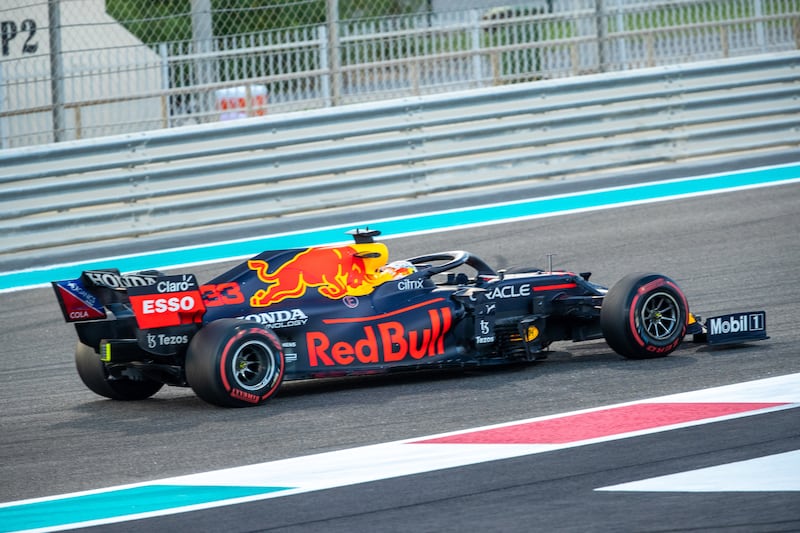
x,y
73,69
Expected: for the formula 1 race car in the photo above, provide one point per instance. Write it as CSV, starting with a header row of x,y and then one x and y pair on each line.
x,y
345,310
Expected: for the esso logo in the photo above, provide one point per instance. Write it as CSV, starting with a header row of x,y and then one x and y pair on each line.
x,y
168,305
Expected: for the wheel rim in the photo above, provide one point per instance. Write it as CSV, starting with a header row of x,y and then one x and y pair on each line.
x,y
253,365
660,316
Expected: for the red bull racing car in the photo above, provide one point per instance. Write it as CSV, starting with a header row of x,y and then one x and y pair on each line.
x,y
345,310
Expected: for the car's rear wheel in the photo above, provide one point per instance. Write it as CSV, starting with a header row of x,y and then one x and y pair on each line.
x,y
644,316
95,376
235,363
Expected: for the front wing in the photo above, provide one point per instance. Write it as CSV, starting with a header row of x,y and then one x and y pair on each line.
x,y
733,328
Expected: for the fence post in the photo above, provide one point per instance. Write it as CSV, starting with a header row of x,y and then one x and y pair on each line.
x,y
56,70
758,12
475,24
203,35
163,53
3,126
602,35
622,45
334,59
796,31
325,77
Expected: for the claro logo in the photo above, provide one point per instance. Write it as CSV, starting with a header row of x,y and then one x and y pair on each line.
x,y
385,342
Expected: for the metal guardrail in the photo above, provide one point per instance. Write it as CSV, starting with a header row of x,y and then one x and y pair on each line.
x,y
82,195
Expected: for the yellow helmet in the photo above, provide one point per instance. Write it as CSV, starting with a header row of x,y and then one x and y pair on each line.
x,y
398,269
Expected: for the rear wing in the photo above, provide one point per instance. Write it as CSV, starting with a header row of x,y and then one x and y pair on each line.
x,y
96,292
78,302
154,299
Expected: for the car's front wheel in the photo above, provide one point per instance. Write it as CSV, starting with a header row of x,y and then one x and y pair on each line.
x,y
644,316
235,363
95,376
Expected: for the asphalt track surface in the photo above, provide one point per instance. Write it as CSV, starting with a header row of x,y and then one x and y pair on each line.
x,y
729,252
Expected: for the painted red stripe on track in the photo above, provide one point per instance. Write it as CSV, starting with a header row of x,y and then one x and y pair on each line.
x,y
603,423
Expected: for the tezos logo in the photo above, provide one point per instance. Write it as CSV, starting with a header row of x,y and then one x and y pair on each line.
x,y
153,341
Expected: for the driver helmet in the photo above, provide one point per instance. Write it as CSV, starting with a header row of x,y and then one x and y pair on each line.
x,y
398,269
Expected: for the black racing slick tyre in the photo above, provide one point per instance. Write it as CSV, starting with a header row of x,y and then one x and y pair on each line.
x,y
235,363
644,316
95,376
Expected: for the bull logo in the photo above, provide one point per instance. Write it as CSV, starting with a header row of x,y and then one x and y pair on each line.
x,y
335,272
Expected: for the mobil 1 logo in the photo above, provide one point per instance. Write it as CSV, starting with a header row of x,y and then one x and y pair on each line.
x,y
737,327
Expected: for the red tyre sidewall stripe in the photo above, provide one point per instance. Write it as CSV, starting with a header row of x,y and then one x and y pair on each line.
x,y
632,319
281,365
684,300
656,283
223,360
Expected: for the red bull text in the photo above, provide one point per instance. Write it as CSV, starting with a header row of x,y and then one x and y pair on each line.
x,y
384,342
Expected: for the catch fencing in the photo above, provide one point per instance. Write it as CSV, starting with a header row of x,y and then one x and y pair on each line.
x,y
80,198
74,69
